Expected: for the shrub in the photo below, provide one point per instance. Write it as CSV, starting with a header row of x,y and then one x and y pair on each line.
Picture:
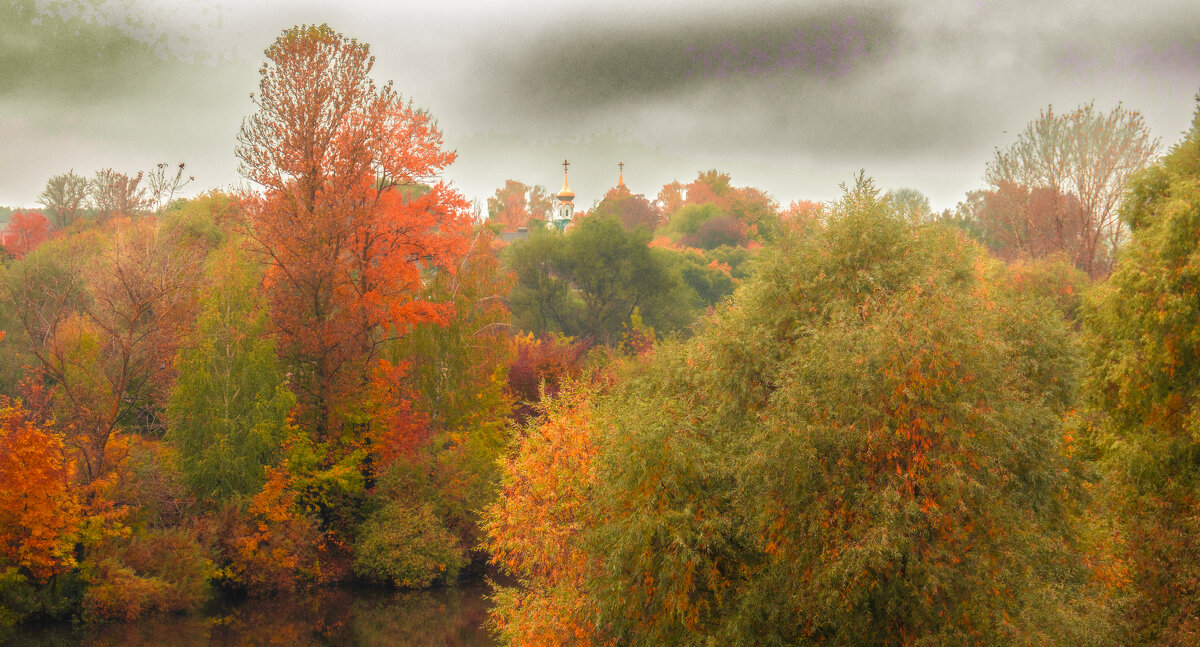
x,y
408,547
161,570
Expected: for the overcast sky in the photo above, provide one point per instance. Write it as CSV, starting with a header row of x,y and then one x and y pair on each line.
x,y
792,97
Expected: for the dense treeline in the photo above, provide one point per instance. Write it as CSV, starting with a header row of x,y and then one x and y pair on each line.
x,y
696,418
307,384
886,436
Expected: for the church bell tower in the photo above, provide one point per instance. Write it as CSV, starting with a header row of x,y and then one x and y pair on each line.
x,y
565,209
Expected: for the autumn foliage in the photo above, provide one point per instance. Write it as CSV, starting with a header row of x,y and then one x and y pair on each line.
x,y
699,420
1058,188
837,457
25,231
341,227
534,532
159,448
39,512
1143,329
541,366
516,205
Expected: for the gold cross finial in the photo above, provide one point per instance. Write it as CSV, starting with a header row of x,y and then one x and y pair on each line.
x,y
565,165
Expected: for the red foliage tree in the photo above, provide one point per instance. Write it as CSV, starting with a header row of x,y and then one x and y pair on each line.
x,y
26,230
345,225
670,198
1023,222
542,365
516,203
753,208
711,187
722,230
802,214
633,210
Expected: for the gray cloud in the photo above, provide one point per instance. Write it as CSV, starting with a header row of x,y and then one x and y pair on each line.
x,y
792,99
837,80
51,60
86,84
589,67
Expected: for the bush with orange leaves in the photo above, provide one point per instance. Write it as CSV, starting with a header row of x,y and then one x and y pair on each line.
x,y
533,529
39,513
159,570
274,546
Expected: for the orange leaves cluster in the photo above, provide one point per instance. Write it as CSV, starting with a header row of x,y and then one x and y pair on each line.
x,y
402,427
274,547
345,226
532,530
515,204
25,231
38,511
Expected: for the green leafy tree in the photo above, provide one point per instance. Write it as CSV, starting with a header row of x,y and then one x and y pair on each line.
x,y
588,282
407,548
1143,330
708,280
688,220
228,412
202,221
454,383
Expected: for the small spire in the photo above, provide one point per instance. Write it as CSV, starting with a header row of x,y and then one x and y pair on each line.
x,y
621,175
566,195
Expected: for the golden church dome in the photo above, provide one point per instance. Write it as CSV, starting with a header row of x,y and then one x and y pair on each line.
x,y
566,195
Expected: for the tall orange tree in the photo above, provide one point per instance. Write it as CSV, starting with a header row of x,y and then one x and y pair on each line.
x,y
344,236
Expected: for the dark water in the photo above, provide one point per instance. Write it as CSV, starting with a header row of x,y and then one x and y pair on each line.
x,y
451,617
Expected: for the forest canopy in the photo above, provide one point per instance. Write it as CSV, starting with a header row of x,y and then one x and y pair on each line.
x,y
690,416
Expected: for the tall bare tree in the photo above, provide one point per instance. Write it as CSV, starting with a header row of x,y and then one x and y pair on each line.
x,y
65,198
117,194
164,186
1086,155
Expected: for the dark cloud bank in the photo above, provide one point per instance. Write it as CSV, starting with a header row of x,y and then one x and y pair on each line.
x,y
794,99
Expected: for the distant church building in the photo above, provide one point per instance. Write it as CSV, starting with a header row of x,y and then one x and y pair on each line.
x,y
565,209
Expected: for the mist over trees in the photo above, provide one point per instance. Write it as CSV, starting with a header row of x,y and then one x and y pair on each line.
x,y
691,415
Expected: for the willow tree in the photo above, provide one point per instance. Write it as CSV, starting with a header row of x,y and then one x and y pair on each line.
x,y
1144,349
228,410
864,446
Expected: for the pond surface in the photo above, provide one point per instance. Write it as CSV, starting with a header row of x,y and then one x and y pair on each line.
x,y
450,617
